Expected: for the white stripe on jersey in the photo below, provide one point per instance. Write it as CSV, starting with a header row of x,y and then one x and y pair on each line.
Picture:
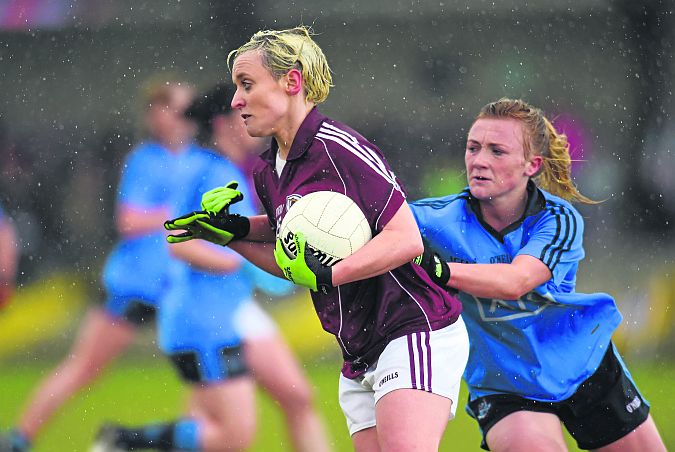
x,y
377,222
413,298
367,155
367,152
334,166
354,151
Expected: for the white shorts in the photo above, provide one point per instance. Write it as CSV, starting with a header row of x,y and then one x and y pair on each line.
x,y
252,322
428,361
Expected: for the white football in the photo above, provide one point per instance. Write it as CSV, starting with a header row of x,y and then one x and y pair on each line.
x,y
334,226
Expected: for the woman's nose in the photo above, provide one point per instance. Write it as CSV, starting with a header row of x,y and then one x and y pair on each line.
x,y
237,101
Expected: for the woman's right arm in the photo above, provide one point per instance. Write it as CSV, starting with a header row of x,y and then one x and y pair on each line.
x,y
258,246
503,281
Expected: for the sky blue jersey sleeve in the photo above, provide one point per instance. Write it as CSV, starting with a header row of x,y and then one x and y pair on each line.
x,y
437,220
557,240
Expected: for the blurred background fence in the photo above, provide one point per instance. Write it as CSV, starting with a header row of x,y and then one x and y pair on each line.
x,y
408,74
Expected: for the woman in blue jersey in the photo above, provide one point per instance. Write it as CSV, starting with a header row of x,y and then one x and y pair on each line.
x,y
196,330
134,275
403,343
510,244
210,327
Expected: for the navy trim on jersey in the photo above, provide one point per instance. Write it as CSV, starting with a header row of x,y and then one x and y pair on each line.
x,y
438,204
535,204
563,239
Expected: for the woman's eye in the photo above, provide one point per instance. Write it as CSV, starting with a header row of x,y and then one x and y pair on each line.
x,y
497,151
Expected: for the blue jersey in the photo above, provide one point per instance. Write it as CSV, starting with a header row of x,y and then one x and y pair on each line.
x,y
198,308
545,344
136,267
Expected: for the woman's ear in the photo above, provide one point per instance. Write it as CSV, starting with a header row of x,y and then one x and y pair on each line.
x,y
533,166
294,82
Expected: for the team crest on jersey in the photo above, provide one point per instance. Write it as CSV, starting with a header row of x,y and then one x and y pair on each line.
x,y
290,200
496,310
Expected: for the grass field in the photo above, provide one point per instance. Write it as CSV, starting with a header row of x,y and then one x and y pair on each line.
x,y
133,394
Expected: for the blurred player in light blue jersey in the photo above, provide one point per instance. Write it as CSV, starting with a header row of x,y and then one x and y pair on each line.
x,y
9,256
272,364
135,275
207,311
511,243
196,331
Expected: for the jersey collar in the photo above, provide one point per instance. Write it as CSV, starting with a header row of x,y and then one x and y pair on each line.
x,y
535,204
303,138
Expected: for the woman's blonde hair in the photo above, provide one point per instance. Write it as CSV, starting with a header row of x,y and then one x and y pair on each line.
x,y
541,138
294,48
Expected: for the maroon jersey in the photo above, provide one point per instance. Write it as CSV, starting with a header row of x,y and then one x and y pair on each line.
x,y
363,315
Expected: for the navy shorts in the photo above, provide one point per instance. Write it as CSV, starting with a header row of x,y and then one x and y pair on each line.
x,y
605,407
133,310
220,364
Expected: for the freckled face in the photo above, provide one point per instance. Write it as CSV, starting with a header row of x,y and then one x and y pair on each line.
x,y
495,161
262,101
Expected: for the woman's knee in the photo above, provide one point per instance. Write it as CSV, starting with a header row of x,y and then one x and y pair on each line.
x,y
297,397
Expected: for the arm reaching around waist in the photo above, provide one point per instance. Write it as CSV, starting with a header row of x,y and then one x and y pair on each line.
x,y
504,281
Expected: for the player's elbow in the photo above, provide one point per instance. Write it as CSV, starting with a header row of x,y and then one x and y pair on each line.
x,y
417,248
515,288
414,246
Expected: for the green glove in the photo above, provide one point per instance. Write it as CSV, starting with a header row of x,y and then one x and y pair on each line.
x,y
220,229
215,200
305,269
436,268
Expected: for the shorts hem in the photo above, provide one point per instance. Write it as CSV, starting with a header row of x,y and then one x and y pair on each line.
x,y
618,435
357,428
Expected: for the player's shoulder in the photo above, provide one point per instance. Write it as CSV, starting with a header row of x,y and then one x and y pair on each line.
x,y
557,206
455,201
148,147
146,152
437,213
213,162
339,136
203,154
